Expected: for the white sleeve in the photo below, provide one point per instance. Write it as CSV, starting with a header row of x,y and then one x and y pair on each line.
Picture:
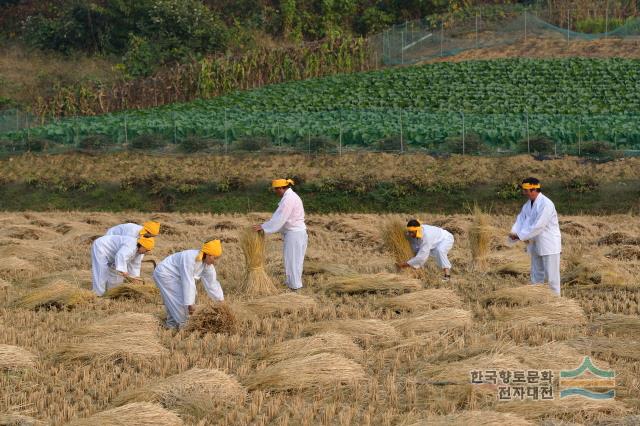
x,y
421,256
278,218
211,284
541,222
187,280
515,229
136,265
126,252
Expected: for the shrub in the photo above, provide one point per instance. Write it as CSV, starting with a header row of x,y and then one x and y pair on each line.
x,y
39,145
473,145
389,144
509,191
537,145
582,184
251,144
95,143
151,141
319,144
597,149
193,144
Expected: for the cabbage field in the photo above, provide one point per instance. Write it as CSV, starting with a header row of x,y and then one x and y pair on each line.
x,y
502,101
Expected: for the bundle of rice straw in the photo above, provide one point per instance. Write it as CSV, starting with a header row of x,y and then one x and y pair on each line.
x,y
607,346
137,413
561,312
214,317
625,253
578,409
618,324
480,238
518,264
278,305
435,321
307,346
60,295
357,329
313,371
394,235
369,283
15,267
476,418
15,357
524,295
115,338
589,270
550,356
133,291
312,267
12,419
618,238
256,281
423,300
71,276
458,371
194,390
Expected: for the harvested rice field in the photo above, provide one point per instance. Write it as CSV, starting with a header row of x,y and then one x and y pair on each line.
x,y
361,343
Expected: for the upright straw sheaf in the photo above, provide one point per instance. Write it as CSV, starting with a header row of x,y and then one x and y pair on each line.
x,y
60,295
256,281
320,370
15,357
312,345
369,283
115,338
423,300
188,390
480,238
214,317
476,418
137,413
558,312
278,305
438,320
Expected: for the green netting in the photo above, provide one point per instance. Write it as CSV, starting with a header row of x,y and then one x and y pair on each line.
x,y
422,40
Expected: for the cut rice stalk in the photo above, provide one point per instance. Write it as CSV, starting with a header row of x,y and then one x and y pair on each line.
x,y
215,317
15,357
369,283
132,291
476,418
480,238
278,305
423,300
137,413
256,281
60,295
312,267
438,320
560,312
306,346
307,372
358,329
519,296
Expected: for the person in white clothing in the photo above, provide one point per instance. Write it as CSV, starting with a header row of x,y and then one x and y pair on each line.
x,y
114,257
176,278
538,225
148,229
288,219
428,241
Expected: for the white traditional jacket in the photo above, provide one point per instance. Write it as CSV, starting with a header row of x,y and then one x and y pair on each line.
x,y
538,224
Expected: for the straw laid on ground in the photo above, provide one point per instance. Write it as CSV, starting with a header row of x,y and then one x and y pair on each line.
x,y
618,324
306,346
458,371
587,409
15,357
115,338
256,281
625,253
476,418
57,295
189,390
560,312
137,413
480,238
72,276
133,291
550,356
9,419
360,329
511,263
313,371
607,346
369,283
312,267
524,295
278,304
588,270
16,267
213,318
423,300
434,321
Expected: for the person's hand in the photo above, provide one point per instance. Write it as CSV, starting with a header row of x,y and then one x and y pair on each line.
x,y
402,265
125,274
513,236
257,228
191,309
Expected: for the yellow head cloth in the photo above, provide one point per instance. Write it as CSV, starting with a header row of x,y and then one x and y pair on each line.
x,y
279,183
150,227
148,243
213,248
416,229
530,185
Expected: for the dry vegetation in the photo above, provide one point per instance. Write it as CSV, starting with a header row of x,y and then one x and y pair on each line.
x,y
317,356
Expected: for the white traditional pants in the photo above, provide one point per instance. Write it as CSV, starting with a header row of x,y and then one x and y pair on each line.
x,y
441,251
295,247
103,277
546,269
171,292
